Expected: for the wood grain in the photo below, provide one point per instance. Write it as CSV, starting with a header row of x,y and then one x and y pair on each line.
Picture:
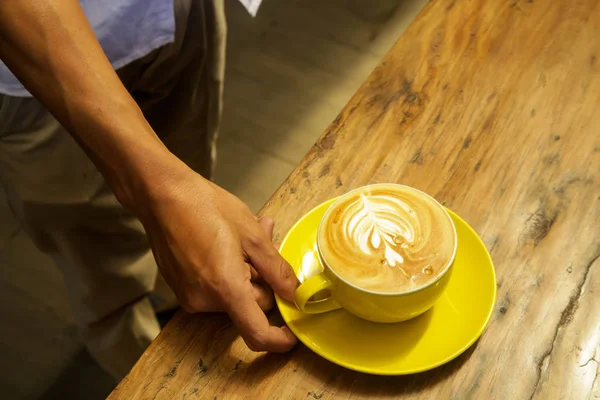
x,y
492,107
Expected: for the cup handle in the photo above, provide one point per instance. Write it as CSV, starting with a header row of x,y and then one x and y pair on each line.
x,y
308,289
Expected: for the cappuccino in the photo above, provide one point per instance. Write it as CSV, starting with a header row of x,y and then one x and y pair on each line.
x,y
387,238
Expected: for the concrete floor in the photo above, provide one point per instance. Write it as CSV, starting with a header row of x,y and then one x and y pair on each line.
x,y
290,71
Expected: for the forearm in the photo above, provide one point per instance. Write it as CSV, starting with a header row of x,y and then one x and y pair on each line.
x,y
51,48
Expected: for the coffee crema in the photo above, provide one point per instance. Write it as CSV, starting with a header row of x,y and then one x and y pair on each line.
x,y
387,238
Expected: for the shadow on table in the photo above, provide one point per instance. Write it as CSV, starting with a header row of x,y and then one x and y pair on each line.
x,y
344,381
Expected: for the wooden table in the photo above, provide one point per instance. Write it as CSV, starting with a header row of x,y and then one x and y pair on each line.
x,y
493,107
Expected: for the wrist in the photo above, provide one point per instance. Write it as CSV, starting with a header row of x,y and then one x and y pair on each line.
x,y
156,177
148,176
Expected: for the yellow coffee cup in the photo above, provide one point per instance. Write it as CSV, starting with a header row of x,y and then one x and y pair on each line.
x,y
336,292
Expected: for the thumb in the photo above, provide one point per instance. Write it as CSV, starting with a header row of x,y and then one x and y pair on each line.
x,y
271,266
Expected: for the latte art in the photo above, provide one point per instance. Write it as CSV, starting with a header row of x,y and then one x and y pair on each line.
x,y
377,223
387,238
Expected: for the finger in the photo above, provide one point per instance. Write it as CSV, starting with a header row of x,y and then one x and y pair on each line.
x,y
272,267
263,296
254,326
267,224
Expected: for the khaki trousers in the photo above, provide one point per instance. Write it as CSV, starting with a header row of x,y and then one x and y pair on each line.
x,y
70,213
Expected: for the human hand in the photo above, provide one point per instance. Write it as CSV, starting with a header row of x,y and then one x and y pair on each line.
x,y
217,256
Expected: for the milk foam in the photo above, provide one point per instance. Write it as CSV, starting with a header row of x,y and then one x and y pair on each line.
x,y
387,238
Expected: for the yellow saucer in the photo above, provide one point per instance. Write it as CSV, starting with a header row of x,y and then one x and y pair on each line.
x,y
454,323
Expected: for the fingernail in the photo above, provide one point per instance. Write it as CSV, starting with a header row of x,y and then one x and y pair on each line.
x,y
289,334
